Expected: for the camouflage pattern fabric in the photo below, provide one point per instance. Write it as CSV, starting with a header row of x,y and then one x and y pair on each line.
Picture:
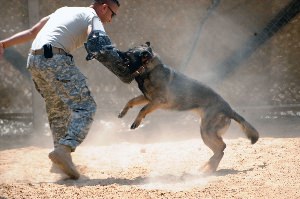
x,y
69,104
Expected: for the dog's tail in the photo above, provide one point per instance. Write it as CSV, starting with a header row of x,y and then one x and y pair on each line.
x,y
248,129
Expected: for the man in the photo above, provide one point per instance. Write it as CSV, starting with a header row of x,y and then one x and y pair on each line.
x,y
69,104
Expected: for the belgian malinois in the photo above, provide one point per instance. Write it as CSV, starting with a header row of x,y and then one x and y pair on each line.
x,y
165,88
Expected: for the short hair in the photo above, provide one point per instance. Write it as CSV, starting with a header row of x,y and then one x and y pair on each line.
x,y
105,1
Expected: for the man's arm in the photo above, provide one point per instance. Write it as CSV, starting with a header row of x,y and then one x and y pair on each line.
x,y
99,47
24,36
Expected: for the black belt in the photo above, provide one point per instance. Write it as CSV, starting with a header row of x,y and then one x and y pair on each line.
x,y
48,51
54,51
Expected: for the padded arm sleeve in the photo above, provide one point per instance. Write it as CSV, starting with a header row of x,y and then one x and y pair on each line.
x,y
99,47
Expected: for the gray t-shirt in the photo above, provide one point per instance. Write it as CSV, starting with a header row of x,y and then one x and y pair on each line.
x,y
66,28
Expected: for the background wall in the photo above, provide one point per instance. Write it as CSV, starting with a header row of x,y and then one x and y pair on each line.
x,y
196,37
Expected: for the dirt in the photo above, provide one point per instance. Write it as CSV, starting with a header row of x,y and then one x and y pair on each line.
x,y
268,169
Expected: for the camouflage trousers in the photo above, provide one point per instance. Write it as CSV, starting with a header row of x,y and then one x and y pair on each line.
x,y
69,104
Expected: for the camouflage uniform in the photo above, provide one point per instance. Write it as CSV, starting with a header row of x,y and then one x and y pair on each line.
x,y
69,104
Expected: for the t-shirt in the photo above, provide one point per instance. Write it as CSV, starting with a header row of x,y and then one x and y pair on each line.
x,y
66,28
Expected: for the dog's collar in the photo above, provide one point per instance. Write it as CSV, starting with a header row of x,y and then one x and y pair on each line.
x,y
139,71
154,62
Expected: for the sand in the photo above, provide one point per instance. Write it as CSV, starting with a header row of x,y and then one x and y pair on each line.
x,y
268,169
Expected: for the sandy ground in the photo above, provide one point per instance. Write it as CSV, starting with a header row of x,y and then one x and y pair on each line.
x,y
268,169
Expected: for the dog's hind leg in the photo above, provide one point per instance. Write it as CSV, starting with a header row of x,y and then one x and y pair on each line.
x,y
133,102
152,106
211,131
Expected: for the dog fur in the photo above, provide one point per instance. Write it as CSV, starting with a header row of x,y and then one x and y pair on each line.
x,y
165,88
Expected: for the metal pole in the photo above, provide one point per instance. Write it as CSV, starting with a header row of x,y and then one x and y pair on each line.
x,y
37,102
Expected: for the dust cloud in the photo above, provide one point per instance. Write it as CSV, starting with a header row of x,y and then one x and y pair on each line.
x,y
163,156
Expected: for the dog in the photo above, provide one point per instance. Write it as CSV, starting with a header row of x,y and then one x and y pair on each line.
x,y
165,88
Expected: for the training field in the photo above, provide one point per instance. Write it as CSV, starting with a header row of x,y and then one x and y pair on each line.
x,y
268,169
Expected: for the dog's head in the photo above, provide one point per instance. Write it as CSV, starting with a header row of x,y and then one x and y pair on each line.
x,y
139,56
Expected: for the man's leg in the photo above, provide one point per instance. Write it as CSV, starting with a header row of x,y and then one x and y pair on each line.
x,y
71,88
58,113
69,105
58,117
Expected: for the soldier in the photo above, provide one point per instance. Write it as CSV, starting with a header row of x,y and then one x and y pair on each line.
x,y
69,104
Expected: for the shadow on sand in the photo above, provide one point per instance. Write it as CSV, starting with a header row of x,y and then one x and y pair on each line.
x,y
167,179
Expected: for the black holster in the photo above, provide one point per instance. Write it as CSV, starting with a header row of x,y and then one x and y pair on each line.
x,y
48,51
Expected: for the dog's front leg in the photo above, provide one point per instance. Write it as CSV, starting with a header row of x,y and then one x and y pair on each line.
x,y
133,102
143,112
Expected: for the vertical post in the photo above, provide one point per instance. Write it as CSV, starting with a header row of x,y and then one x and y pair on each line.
x,y
37,102
33,12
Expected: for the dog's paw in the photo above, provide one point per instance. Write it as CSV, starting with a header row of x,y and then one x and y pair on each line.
x,y
123,113
207,169
134,125
120,115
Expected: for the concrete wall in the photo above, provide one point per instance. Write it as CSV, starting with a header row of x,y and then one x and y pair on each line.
x,y
187,36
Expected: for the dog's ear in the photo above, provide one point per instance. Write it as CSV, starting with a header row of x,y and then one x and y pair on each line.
x,y
148,43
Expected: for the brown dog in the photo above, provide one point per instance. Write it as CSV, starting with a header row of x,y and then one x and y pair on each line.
x,y
164,88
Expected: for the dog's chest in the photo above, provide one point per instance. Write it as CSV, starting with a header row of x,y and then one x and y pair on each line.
x,y
147,87
154,84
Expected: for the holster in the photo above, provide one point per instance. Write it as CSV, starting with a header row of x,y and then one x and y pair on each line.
x,y
48,51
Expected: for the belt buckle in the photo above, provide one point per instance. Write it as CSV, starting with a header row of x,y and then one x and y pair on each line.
x,y
61,51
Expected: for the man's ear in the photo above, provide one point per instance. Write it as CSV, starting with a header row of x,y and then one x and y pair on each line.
x,y
148,43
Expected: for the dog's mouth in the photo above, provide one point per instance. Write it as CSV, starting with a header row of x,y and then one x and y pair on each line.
x,y
147,54
146,57
139,57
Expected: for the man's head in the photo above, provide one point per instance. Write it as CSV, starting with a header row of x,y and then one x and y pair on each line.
x,y
106,9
